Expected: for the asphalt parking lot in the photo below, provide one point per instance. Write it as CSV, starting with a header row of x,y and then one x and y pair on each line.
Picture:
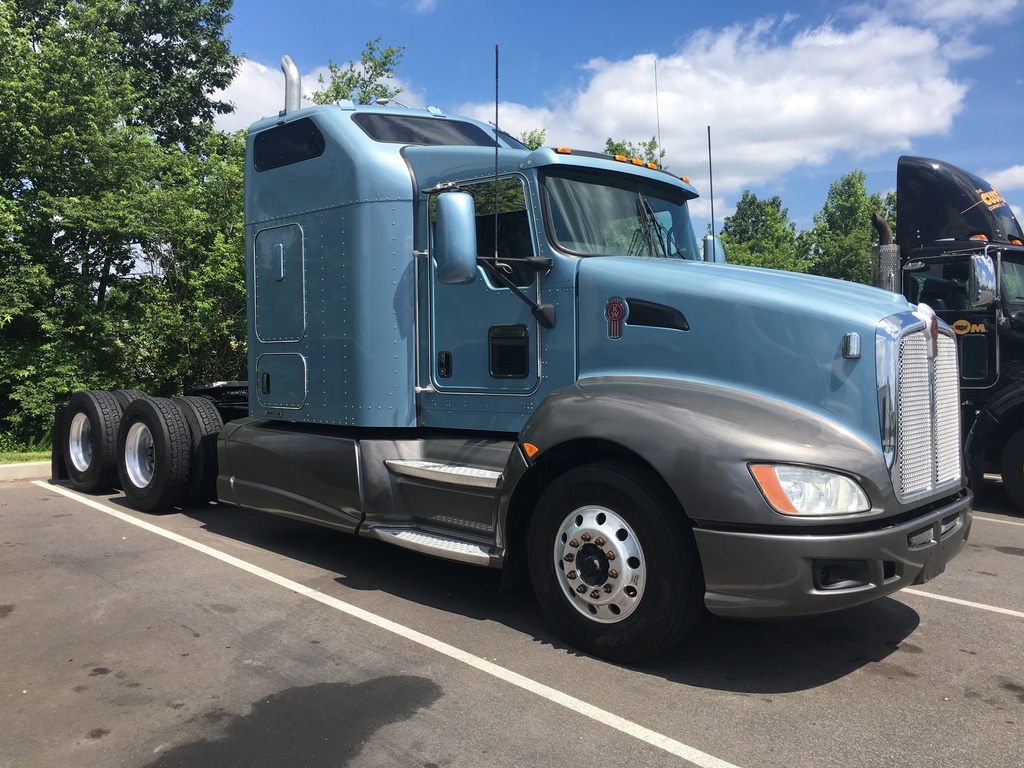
x,y
221,637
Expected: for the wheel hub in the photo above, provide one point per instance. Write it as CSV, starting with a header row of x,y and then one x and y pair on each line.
x,y
600,564
80,442
138,455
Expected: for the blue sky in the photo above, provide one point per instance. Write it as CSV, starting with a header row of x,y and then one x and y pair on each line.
x,y
796,93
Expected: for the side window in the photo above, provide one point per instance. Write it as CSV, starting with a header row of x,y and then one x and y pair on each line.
x,y
501,208
508,351
291,143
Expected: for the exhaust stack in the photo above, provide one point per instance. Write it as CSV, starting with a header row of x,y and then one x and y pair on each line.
x,y
292,92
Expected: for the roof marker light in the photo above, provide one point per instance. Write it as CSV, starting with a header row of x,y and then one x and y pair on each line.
x,y
563,150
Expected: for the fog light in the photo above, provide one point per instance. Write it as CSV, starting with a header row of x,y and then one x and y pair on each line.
x,y
840,574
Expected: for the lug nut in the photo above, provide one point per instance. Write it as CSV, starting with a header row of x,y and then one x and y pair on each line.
x,y
581,588
610,554
595,594
574,543
571,575
613,573
607,588
570,557
599,541
585,536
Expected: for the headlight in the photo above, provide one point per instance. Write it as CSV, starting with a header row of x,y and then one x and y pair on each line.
x,y
803,491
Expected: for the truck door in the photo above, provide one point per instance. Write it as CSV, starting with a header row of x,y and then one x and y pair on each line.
x,y
483,338
942,285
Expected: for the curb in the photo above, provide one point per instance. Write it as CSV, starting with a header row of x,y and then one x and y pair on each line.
x,y
28,470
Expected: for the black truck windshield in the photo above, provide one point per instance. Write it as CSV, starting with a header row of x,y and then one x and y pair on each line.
x,y
600,214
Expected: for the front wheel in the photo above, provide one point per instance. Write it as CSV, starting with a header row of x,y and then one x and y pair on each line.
x,y
613,562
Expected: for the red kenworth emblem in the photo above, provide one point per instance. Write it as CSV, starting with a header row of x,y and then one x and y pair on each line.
x,y
615,312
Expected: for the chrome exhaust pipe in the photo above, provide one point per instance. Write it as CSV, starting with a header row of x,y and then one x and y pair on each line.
x,y
292,92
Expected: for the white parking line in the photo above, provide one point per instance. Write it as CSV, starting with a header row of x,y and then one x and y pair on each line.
x,y
997,520
579,706
968,603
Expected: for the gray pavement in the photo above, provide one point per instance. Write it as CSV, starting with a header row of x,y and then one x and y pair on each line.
x,y
223,637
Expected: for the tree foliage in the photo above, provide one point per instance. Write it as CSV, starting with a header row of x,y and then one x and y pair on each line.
x,y
648,151
760,234
120,207
533,139
840,242
364,82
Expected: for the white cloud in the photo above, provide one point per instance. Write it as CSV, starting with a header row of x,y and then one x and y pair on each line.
x,y
776,96
1006,179
258,91
950,14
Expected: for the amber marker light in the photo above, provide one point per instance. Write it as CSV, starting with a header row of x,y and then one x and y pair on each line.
x,y
772,488
531,450
563,150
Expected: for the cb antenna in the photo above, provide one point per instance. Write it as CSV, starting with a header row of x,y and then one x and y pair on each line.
x,y
711,183
495,153
657,107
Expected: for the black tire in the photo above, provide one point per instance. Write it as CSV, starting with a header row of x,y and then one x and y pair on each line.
x,y
153,450
641,601
126,396
1011,466
89,440
204,423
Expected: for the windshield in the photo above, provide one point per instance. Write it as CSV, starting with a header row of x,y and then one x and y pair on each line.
x,y
600,214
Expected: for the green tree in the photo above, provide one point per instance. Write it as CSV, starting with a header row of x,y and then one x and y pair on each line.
x,y
104,217
760,234
648,151
840,242
174,54
533,139
363,82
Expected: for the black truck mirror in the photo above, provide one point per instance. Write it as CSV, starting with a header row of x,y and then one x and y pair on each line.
x,y
455,239
981,285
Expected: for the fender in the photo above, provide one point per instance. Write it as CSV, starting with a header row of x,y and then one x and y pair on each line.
x,y
700,438
995,423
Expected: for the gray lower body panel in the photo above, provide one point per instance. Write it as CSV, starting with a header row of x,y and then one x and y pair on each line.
x,y
764,575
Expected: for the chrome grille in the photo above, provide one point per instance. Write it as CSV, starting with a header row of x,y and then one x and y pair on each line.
x,y
928,416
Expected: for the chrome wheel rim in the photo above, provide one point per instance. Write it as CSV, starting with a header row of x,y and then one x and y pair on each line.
x,y
80,442
139,461
600,564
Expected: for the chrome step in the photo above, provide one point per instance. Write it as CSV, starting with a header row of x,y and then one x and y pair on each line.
x,y
432,544
451,474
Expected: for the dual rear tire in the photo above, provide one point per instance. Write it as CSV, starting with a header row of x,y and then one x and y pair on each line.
x,y
162,453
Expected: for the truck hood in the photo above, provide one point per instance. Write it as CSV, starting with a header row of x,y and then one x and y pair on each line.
x,y
780,334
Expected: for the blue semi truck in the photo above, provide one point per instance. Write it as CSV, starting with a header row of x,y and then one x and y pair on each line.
x,y
523,360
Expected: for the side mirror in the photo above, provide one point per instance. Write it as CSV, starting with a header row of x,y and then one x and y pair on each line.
x,y
982,288
455,238
713,249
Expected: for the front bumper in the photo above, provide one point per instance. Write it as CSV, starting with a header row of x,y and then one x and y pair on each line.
x,y
764,575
